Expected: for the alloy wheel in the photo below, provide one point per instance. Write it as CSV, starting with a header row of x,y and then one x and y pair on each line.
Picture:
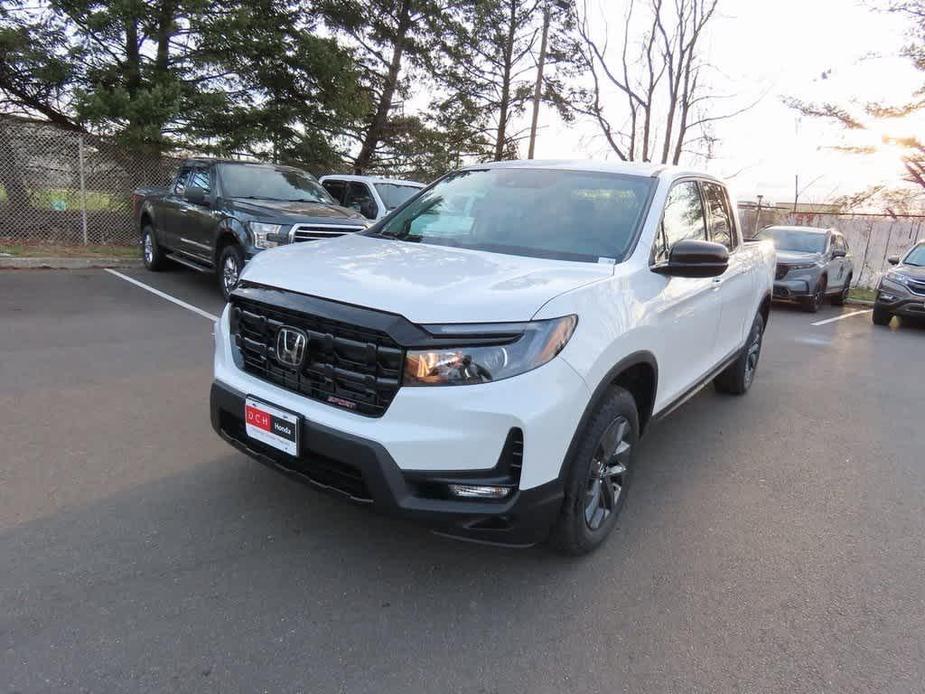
x,y
607,473
148,249
230,272
751,357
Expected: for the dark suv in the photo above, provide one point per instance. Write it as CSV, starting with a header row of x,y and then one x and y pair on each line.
x,y
216,214
901,291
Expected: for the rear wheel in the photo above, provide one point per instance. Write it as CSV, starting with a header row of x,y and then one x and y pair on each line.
x,y
882,316
840,298
598,475
738,377
230,264
151,254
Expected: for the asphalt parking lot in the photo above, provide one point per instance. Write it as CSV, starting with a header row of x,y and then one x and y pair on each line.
x,y
771,543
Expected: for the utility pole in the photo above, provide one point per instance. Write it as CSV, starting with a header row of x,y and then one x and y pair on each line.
x,y
538,89
757,216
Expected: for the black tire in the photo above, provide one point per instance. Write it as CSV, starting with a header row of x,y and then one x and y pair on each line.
x,y
881,316
231,254
597,480
739,376
813,303
840,298
151,253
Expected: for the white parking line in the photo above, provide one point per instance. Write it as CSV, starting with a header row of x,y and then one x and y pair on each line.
x,y
843,316
158,292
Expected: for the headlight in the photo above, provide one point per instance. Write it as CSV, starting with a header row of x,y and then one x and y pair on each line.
x,y
262,231
897,277
525,347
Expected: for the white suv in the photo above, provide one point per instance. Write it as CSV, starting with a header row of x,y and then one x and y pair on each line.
x,y
486,359
372,196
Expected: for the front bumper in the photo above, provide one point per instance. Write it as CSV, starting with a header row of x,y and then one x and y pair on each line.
x,y
901,302
792,289
364,472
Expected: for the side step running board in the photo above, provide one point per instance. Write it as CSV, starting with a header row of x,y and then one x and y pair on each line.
x,y
177,258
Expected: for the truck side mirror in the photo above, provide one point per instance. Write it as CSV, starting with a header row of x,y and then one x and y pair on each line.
x,y
692,258
893,260
195,195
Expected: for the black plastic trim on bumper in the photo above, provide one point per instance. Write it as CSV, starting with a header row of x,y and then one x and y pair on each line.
x,y
903,306
524,519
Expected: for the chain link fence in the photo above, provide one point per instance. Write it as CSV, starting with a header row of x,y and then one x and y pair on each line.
x,y
60,186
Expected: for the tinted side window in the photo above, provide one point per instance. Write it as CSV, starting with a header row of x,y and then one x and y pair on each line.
x,y
719,215
180,185
361,199
683,218
841,244
336,189
200,178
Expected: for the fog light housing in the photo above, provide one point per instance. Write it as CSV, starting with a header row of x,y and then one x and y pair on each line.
x,y
479,491
887,297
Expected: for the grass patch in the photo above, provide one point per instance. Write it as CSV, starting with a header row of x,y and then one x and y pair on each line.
x,y
68,199
38,249
862,294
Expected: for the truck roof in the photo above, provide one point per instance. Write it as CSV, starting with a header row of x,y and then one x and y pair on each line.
x,y
629,168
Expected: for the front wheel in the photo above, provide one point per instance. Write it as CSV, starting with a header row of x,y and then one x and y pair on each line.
x,y
882,316
738,377
230,264
598,475
814,303
151,254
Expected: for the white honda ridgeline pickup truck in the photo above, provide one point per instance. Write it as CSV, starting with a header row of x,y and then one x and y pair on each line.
x,y
485,359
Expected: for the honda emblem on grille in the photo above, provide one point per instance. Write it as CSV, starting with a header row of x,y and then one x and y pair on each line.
x,y
290,346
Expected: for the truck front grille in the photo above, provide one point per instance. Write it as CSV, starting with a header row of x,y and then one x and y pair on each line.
x,y
917,287
314,232
347,366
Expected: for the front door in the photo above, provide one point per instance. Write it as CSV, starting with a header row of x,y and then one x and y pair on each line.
x,y
686,309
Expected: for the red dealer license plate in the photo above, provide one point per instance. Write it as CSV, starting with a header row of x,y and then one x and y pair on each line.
x,y
272,426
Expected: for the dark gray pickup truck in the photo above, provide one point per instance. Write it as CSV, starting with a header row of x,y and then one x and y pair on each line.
x,y
216,214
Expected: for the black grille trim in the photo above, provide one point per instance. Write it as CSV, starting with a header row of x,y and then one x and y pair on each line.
x,y
349,366
781,272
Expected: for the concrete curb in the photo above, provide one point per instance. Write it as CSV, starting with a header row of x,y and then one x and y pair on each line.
x,y
860,302
14,263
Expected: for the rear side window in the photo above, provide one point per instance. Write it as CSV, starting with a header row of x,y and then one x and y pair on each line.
x,y
841,244
360,198
336,189
683,218
719,215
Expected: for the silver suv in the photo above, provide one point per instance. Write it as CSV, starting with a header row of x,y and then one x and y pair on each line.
x,y
812,264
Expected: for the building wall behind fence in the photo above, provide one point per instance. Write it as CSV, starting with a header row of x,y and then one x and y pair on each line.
x,y
872,238
61,186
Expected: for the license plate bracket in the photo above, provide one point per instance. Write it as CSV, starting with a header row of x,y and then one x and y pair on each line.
x,y
272,425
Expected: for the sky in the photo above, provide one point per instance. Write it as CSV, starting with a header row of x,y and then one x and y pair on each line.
x,y
763,51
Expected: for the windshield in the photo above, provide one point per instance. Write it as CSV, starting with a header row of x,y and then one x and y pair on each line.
x,y
268,183
570,215
394,194
916,257
795,240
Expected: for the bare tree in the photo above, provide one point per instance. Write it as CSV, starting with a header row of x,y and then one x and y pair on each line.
x,y
658,77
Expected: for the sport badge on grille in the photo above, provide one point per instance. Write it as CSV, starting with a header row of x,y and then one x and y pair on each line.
x,y
290,346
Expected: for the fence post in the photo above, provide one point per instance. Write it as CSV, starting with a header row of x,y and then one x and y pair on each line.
x,y
83,189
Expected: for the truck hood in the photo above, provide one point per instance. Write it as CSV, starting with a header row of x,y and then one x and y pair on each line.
x,y
291,212
914,271
423,283
792,257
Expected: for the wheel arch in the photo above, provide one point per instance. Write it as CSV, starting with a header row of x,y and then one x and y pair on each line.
x,y
224,238
638,374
